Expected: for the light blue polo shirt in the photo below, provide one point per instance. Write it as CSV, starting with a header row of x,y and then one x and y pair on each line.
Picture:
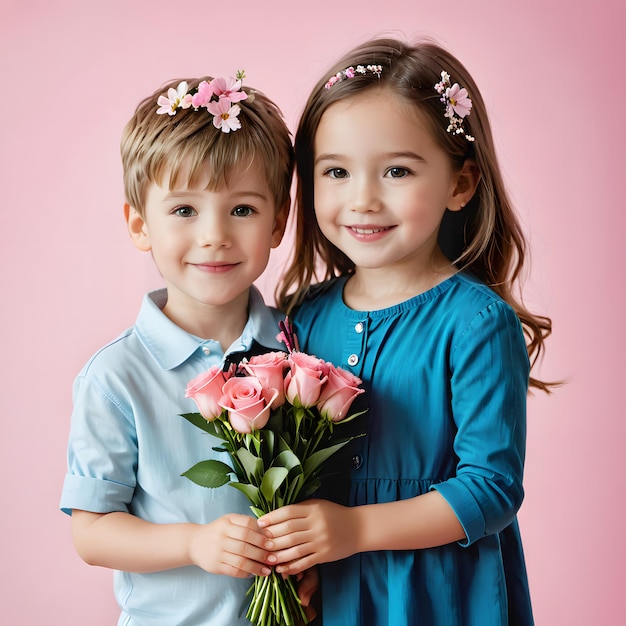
x,y
128,446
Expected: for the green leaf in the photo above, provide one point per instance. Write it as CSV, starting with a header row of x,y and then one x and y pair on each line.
x,y
350,418
254,440
257,511
266,451
321,456
252,465
272,480
210,474
286,459
212,427
311,486
294,487
282,444
250,491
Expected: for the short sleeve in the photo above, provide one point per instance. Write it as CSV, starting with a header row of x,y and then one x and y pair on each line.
x,y
489,384
102,451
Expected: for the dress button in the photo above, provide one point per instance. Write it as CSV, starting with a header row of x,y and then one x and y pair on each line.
x,y
206,350
357,461
353,359
359,327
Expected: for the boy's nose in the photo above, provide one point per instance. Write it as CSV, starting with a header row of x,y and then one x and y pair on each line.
x,y
214,232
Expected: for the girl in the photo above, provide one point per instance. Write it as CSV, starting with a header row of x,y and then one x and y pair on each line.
x,y
401,200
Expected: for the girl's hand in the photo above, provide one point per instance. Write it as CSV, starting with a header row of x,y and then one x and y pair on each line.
x,y
231,545
308,584
313,532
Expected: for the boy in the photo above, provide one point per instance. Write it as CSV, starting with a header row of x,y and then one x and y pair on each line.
x,y
207,175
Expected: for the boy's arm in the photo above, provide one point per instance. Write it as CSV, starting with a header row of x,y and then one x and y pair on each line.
x,y
231,545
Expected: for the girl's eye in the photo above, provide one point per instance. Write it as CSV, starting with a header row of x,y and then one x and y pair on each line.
x,y
184,211
242,211
336,172
397,172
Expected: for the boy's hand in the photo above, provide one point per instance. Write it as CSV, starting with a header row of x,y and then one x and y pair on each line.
x,y
231,545
306,534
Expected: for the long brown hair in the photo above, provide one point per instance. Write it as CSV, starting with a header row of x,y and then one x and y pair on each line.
x,y
484,238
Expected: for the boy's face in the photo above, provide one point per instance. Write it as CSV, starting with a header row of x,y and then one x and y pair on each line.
x,y
209,246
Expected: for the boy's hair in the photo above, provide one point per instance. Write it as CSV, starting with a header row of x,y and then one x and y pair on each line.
x,y
188,141
484,238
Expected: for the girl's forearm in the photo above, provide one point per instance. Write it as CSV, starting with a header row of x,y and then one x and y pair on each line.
x,y
125,542
425,521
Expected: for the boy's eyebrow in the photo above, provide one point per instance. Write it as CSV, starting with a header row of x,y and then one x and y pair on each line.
x,y
187,193
251,192
402,154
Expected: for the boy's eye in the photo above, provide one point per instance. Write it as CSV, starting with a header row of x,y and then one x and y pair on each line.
x,y
242,211
184,211
397,172
336,172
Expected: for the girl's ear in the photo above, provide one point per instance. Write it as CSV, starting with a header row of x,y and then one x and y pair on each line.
x,y
466,183
137,228
280,223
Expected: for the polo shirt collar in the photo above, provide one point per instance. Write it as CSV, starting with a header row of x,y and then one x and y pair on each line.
x,y
170,345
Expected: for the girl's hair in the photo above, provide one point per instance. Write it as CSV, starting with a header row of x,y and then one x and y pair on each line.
x,y
484,238
188,144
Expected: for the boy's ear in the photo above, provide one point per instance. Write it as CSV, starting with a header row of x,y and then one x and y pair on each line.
x,y
280,223
137,228
466,183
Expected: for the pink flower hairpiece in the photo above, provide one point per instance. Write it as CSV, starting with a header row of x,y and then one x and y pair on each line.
x,y
351,72
219,97
458,104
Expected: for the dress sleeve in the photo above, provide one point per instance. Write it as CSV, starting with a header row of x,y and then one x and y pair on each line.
x,y
102,452
489,384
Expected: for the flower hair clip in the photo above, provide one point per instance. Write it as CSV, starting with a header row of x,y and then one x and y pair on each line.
x,y
219,97
351,72
458,104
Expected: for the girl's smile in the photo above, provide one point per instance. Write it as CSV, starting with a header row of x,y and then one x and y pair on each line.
x,y
369,233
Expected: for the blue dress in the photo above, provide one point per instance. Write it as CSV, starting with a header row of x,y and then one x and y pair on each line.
x,y
446,378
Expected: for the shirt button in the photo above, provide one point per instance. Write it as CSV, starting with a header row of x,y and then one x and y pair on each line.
x,y
353,359
359,327
357,461
206,350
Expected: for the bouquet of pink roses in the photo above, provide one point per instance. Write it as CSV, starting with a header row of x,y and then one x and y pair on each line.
x,y
275,415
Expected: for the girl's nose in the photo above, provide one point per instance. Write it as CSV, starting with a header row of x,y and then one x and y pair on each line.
x,y
366,197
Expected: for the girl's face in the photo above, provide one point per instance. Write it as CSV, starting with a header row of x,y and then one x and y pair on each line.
x,y
382,183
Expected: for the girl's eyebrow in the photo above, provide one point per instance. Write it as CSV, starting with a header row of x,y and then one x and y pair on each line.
x,y
326,157
403,154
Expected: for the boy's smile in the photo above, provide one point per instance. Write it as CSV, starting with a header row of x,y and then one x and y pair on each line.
x,y
209,245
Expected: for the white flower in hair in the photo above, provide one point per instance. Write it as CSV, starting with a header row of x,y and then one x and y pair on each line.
x,y
458,104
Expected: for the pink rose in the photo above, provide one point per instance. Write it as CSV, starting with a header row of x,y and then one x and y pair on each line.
x,y
304,381
206,390
247,402
338,393
269,368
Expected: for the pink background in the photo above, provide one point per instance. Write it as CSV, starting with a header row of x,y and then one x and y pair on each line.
x,y
72,73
